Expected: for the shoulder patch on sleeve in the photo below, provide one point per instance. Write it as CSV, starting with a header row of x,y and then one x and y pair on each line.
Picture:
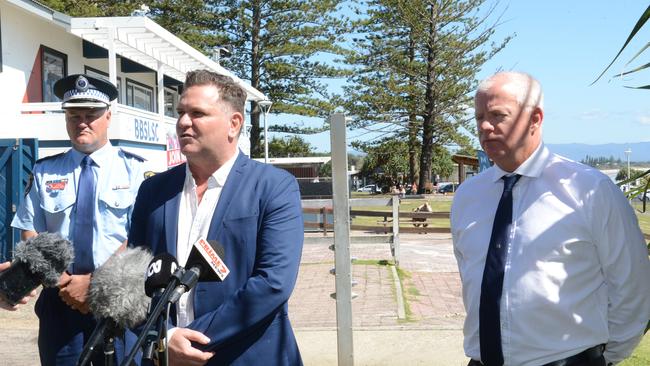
x,y
131,155
149,174
30,182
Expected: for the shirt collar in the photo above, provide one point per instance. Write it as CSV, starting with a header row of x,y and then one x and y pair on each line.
x,y
100,157
219,176
532,167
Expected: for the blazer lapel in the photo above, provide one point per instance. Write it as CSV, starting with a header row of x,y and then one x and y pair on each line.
x,y
227,193
171,210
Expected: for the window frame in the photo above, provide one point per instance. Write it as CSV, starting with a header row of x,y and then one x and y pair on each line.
x,y
46,84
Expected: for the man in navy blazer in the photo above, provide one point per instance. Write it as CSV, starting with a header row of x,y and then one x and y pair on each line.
x,y
251,208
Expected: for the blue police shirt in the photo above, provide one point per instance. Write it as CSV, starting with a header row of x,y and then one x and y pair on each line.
x,y
49,203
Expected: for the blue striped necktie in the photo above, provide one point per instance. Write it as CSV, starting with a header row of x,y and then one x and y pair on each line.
x,y
492,285
84,219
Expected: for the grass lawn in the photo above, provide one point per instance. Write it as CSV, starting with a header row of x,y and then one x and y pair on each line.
x,y
405,206
641,356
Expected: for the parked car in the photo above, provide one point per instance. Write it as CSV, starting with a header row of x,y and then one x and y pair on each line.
x,y
370,188
448,188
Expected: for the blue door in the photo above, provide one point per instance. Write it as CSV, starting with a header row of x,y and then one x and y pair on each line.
x,y
17,158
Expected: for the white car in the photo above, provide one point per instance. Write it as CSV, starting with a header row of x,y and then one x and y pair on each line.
x,y
371,188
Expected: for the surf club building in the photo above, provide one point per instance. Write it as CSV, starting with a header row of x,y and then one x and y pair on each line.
x,y
146,63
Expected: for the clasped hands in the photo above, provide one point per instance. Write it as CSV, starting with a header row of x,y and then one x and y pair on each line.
x,y
73,290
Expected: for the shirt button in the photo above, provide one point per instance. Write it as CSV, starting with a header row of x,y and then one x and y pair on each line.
x,y
117,204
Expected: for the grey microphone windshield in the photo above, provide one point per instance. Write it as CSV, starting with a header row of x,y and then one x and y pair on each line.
x,y
117,288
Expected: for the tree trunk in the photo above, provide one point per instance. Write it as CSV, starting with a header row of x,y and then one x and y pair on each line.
x,y
256,149
412,124
429,114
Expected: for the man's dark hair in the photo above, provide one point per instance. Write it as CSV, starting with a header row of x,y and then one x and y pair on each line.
x,y
229,92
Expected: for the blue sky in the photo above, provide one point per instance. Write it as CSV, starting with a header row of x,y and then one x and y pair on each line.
x,y
565,45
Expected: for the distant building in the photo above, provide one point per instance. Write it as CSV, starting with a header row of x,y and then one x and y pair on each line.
x,y
305,168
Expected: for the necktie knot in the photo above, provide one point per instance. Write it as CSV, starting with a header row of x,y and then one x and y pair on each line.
x,y
509,181
87,161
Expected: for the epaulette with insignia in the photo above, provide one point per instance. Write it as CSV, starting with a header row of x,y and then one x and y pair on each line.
x,y
129,154
149,174
49,157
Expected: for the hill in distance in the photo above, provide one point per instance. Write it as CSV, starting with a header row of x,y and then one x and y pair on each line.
x,y
577,152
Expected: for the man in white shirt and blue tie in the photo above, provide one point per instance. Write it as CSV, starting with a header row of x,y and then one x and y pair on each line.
x,y
554,267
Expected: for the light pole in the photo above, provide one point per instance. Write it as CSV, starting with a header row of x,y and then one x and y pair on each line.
x,y
265,105
219,52
627,154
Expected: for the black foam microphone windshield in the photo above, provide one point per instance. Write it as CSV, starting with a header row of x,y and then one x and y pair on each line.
x,y
39,260
159,272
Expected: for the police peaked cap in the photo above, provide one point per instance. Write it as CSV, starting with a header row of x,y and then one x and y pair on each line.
x,y
83,91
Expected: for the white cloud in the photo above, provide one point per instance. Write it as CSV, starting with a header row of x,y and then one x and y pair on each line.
x,y
644,120
594,114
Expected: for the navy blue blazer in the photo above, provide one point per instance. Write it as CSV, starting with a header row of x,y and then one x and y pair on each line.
x,y
258,220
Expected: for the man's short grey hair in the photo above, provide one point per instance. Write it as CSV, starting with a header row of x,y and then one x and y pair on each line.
x,y
525,88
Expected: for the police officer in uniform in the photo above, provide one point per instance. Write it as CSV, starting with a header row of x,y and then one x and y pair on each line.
x,y
85,194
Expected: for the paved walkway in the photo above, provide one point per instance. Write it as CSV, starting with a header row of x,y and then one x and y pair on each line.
x,y
431,334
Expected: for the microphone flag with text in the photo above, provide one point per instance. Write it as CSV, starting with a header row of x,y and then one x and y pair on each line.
x,y
39,260
115,297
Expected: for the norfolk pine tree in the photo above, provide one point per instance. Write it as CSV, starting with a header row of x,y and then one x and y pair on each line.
x,y
418,64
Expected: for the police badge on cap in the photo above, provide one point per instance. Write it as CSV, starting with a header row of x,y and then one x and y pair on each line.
x,y
83,91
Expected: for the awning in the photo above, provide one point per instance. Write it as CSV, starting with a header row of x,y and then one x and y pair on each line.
x,y
142,40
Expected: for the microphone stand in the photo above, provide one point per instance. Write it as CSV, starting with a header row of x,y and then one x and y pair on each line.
x,y
109,345
156,341
106,331
155,314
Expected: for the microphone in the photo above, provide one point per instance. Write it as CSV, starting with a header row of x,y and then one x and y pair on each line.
x,y
206,257
163,276
115,298
204,264
39,260
159,272
115,288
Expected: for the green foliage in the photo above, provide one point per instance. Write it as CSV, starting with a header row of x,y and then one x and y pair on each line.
x,y
387,161
90,8
601,162
287,147
622,174
415,65
637,27
275,46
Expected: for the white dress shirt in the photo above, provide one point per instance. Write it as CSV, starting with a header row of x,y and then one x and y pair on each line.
x,y
577,272
193,223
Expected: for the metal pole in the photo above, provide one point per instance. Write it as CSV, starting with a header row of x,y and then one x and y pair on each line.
x,y
343,265
627,153
266,141
265,105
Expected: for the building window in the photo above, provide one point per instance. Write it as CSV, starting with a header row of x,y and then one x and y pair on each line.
x,y
104,76
55,66
139,96
171,102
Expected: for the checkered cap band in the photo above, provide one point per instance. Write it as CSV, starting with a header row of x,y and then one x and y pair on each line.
x,y
90,94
